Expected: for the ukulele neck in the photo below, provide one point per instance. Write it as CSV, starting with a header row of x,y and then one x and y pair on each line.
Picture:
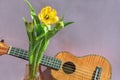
x,y
46,60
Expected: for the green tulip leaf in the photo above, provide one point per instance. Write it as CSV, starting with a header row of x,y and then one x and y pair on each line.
x,y
67,23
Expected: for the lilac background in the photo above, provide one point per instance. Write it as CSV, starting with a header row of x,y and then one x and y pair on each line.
x,y
96,30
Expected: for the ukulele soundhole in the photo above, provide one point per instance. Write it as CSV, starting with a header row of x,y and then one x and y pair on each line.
x,y
68,67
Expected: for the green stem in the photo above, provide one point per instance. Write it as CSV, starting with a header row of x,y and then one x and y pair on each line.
x,y
42,50
39,54
35,66
32,55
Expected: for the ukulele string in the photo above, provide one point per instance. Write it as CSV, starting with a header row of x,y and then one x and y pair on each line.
x,y
87,73
79,75
80,72
85,69
86,76
69,69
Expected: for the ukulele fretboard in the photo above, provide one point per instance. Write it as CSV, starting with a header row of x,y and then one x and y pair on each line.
x,y
46,60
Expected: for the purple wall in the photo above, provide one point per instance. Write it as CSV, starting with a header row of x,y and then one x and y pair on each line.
x,y
96,30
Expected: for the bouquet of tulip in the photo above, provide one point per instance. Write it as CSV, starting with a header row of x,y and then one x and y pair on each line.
x,y
40,30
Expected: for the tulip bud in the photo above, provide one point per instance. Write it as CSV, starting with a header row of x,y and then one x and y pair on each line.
x,y
59,25
30,27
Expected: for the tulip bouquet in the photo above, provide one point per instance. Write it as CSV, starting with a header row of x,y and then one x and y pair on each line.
x,y
40,30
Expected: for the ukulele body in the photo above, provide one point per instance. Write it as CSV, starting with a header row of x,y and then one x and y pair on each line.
x,y
90,67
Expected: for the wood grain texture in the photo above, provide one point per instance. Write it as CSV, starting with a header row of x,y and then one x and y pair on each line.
x,y
3,48
85,67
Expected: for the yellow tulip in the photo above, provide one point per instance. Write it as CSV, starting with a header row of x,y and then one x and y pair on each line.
x,y
48,15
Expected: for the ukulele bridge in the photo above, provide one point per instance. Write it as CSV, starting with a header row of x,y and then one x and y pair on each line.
x,y
97,73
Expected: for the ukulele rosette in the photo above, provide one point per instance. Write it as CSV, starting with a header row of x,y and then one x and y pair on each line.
x,y
40,30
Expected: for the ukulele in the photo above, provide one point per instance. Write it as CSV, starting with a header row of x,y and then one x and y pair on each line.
x,y
66,66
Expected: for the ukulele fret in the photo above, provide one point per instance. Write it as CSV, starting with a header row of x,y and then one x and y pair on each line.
x,y
46,60
17,52
51,62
